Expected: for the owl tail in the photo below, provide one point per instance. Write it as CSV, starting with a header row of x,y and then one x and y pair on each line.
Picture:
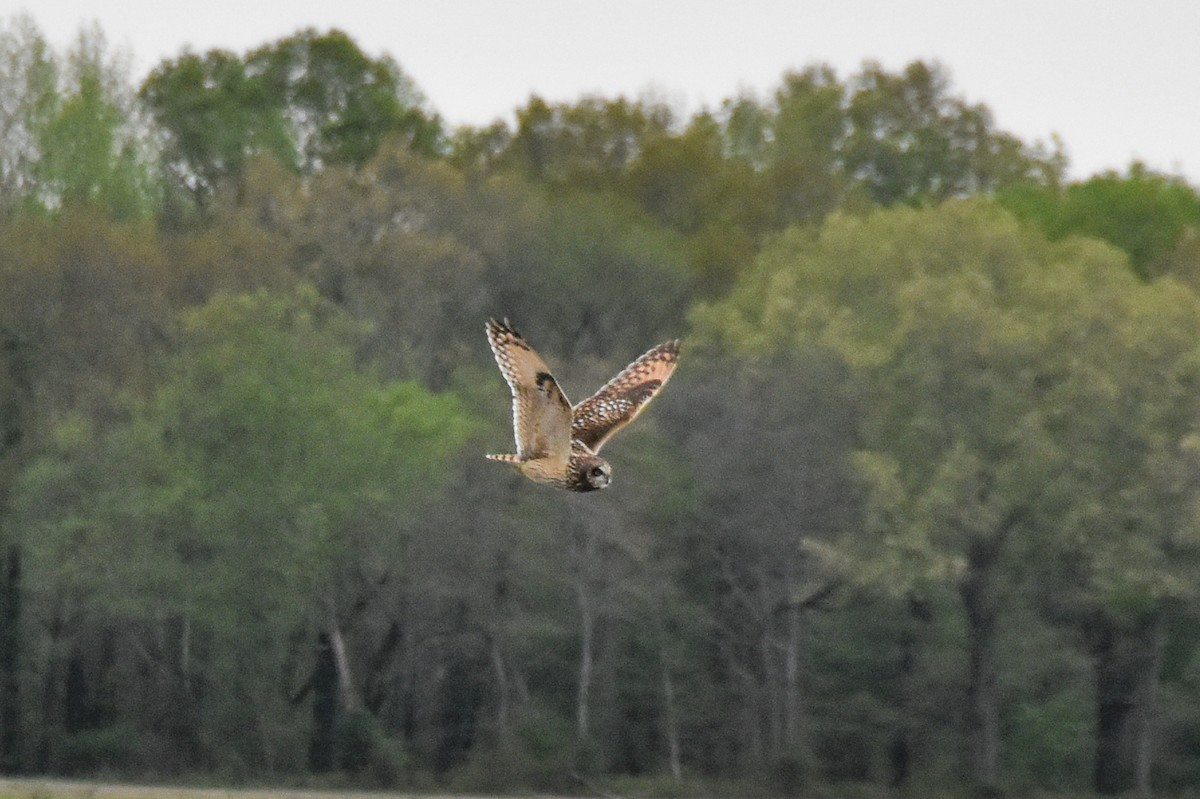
x,y
513,459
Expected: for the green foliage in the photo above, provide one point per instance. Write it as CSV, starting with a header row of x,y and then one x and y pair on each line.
x,y
290,441
909,140
310,100
263,448
804,129
1049,741
73,136
365,749
29,84
92,153
975,338
84,313
725,180
215,115
98,512
340,103
1143,213
584,266
108,749
589,144
958,317
543,754
927,468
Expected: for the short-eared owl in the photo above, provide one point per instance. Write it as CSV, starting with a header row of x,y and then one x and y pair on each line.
x,y
557,443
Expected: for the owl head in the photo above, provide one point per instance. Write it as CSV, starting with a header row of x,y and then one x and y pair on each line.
x,y
596,474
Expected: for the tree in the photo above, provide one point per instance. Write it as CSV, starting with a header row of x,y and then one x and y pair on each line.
x,y
588,145
251,486
761,535
908,140
425,254
1130,549
82,320
721,204
954,318
1146,214
340,103
214,115
29,83
391,243
71,134
95,151
310,100
807,131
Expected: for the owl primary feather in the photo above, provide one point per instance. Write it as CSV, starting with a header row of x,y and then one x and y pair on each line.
x,y
558,443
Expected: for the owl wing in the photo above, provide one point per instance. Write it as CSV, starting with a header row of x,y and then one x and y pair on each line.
x,y
620,400
541,413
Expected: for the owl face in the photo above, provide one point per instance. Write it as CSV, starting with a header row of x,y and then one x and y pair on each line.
x,y
598,475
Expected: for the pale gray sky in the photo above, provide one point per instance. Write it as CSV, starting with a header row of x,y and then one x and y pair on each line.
x,y
1116,79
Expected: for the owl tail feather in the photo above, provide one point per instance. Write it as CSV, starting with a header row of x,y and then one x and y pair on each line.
x,y
513,459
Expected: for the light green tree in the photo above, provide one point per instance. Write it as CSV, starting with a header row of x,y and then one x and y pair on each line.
x,y
1128,558
341,103
1149,215
247,495
966,332
96,150
72,134
29,87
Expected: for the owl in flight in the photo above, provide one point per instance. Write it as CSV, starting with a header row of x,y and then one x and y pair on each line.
x,y
558,443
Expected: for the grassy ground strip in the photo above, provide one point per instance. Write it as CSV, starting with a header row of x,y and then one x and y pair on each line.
x,y
33,788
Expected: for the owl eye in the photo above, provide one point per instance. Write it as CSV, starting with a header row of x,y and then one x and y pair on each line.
x,y
597,471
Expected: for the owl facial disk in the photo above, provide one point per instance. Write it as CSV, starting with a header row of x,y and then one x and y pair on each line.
x,y
599,475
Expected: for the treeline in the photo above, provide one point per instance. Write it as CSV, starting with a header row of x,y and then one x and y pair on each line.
x,y
919,511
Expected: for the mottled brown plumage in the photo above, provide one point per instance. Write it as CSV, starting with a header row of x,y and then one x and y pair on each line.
x,y
557,444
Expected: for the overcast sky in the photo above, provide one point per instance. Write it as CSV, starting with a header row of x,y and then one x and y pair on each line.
x,y
1117,79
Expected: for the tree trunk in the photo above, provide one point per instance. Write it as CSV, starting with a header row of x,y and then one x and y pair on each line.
x,y
11,733
1126,663
45,757
347,699
183,726
1148,704
587,624
185,655
507,679
322,745
670,722
333,697
503,725
376,682
770,695
792,711
585,551
983,717
983,721
900,750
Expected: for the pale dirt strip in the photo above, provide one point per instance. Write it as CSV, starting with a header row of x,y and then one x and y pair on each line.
x,y
35,788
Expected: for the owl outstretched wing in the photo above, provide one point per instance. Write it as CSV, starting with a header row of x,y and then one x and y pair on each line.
x,y
541,412
596,419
